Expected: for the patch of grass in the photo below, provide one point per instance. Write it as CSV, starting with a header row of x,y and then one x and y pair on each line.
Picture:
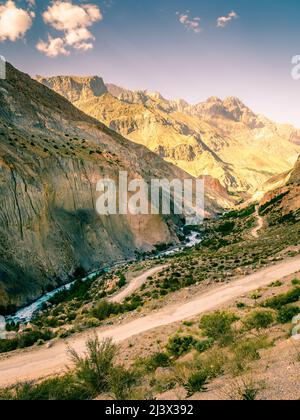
x,y
295,282
121,382
196,383
105,309
256,295
155,361
279,301
259,319
287,313
277,283
218,326
241,305
178,345
246,350
188,323
203,345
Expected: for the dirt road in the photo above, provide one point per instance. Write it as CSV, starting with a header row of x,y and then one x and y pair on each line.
x,y
260,224
135,284
39,362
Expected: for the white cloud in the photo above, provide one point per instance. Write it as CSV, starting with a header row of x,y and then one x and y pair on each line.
x,y
14,21
223,21
73,20
192,24
53,47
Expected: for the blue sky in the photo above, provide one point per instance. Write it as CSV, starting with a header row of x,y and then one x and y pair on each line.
x,y
143,45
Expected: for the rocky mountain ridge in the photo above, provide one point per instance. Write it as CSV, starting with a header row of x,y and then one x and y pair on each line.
x,y
223,139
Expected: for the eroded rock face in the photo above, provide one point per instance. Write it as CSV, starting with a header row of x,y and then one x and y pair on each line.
x,y
75,88
51,157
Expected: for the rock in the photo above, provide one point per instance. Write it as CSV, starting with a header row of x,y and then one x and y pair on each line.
x,y
50,344
296,320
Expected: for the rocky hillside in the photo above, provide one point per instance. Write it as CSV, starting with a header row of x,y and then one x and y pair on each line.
x,y
282,204
51,157
222,139
76,88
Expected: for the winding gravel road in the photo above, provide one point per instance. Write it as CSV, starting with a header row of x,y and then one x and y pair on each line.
x,y
260,224
135,284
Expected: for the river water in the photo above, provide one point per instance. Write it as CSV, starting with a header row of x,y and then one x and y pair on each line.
x,y
25,314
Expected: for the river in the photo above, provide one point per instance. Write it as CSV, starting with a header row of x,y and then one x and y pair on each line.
x,y
25,314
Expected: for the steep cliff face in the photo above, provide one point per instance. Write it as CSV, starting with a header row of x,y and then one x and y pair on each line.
x,y
51,157
220,138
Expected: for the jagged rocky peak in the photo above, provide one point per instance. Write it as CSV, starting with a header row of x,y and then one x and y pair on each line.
x,y
115,90
134,97
75,88
231,108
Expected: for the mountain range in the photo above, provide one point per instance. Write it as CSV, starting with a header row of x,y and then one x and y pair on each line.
x,y
222,139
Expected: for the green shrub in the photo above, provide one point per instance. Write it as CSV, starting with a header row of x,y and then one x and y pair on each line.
x,y
93,369
202,346
12,326
250,393
30,338
178,345
259,320
287,313
284,299
188,323
8,345
256,295
121,382
196,383
276,284
25,339
295,282
217,325
226,228
79,290
122,281
155,361
105,309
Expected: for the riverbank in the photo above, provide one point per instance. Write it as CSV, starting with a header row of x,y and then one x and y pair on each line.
x,y
25,315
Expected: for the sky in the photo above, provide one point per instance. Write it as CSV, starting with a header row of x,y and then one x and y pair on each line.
x,y
189,49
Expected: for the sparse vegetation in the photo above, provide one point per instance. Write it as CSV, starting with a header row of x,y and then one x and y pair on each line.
x,y
178,345
259,319
218,326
